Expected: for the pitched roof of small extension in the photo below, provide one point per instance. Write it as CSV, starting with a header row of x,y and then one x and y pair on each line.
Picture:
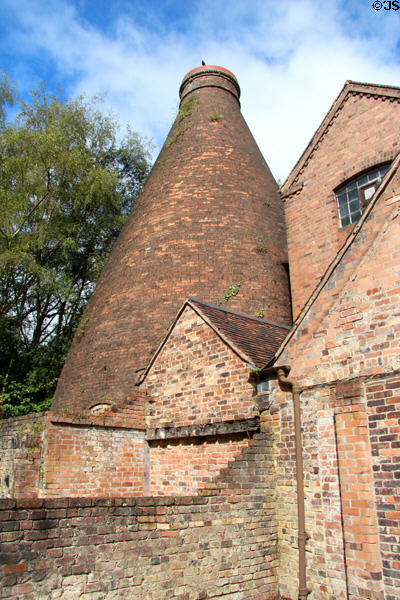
x,y
253,339
256,339
349,88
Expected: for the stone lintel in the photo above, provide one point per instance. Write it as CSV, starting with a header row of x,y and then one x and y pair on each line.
x,y
203,430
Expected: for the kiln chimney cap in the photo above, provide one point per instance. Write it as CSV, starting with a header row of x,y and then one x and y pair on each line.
x,y
209,76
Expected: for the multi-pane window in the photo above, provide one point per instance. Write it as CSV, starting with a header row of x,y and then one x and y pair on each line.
x,y
353,198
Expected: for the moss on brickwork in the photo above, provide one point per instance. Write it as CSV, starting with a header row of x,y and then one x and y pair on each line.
x,y
182,122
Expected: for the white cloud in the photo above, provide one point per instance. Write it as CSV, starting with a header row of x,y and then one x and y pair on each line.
x,y
291,60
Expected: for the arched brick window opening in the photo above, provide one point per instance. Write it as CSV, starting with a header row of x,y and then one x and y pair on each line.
x,y
353,197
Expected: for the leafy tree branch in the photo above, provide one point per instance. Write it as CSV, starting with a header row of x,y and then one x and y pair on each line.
x,y
67,184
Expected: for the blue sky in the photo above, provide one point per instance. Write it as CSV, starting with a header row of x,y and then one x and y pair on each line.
x,y
291,58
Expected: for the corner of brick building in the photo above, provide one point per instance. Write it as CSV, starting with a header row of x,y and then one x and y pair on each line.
x,y
344,354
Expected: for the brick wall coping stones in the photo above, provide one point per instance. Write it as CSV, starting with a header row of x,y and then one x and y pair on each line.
x,y
203,430
106,419
293,190
103,420
10,504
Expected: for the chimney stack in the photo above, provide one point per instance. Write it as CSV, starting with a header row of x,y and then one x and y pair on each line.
x,y
208,224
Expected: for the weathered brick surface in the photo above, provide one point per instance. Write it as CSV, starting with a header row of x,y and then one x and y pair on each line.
x,y
76,454
21,455
221,544
343,552
127,412
383,401
345,353
325,548
184,466
364,132
197,379
359,515
94,461
353,327
210,214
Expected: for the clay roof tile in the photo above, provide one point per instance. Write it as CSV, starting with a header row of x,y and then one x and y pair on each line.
x,y
254,337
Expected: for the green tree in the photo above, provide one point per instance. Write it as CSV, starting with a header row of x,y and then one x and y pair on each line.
x,y
67,184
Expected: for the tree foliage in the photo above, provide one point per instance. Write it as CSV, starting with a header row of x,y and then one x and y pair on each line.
x,y
67,184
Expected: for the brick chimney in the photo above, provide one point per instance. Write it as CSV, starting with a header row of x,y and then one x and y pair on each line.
x,y
208,223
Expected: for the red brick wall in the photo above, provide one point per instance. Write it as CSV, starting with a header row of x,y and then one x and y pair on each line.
x,y
345,355
197,379
94,461
343,555
359,512
353,326
102,453
363,133
325,561
67,460
383,398
221,544
184,466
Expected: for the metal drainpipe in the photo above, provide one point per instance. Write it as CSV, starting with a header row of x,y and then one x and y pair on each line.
x,y
302,535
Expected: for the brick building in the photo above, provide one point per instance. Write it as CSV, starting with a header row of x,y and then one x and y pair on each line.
x,y
167,465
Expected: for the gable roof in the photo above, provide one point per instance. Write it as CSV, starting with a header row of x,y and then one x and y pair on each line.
x,y
349,88
253,339
387,180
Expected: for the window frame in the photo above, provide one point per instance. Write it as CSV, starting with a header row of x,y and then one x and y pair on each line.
x,y
357,184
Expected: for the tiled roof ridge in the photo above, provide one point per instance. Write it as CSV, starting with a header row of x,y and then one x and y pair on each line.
x,y
350,88
237,313
254,339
